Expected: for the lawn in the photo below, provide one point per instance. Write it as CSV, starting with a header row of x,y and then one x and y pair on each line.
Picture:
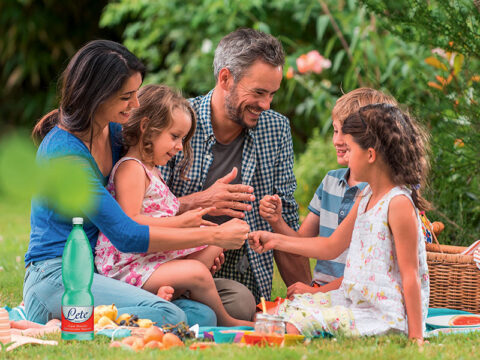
x,y
14,230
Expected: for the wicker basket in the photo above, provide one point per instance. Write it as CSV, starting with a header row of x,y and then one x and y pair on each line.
x,y
454,278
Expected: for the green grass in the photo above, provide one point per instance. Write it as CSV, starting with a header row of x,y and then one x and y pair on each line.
x,y
14,230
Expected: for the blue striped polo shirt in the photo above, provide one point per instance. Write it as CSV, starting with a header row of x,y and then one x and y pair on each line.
x,y
332,202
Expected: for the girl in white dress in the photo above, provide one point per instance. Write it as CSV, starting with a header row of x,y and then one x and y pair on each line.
x,y
386,285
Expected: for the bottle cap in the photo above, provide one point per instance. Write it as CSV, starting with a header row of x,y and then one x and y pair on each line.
x,y
77,221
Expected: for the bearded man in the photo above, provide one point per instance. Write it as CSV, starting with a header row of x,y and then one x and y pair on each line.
x,y
242,151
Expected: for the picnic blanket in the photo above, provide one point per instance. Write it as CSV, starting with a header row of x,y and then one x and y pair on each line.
x,y
22,327
20,331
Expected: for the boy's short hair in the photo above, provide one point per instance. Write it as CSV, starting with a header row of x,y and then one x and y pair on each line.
x,y
352,101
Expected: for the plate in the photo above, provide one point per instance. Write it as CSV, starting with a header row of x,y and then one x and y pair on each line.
x,y
446,320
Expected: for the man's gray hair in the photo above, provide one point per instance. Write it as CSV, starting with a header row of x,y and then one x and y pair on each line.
x,y
238,50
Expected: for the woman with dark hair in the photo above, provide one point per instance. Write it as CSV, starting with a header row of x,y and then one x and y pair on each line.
x,y
99,90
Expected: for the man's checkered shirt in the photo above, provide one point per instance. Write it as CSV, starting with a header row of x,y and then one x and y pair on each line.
x,y
267,166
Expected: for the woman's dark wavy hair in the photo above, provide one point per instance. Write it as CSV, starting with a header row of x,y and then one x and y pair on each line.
x,y
400,141
154,115
95,73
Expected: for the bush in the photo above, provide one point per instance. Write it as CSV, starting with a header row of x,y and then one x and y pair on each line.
x,y
37,38
450,107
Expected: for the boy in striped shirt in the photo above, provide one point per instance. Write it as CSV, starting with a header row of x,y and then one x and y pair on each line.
x,y
333,198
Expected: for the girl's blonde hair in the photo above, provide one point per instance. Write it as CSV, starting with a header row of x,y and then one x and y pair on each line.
x,y
352,101
400,141
154,115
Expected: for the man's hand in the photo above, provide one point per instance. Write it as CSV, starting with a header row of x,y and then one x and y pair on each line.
x,y
193,218
271,208
261,241
228,199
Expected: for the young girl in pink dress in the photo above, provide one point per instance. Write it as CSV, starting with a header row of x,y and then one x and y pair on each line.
x,y
162,126
386,285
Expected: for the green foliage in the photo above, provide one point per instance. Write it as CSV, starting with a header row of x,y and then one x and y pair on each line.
x,y
449,24
450,107
37,38
177,40
62,180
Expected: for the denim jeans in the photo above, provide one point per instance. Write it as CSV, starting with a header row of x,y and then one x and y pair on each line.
x,y
43,290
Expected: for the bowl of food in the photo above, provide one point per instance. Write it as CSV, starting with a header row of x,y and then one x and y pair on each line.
x,y
255,339
274,339
224,336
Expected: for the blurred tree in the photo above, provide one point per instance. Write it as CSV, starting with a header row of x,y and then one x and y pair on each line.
x,y
37,38
177,40
450,107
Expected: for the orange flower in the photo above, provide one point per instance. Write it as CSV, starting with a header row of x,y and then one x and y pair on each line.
x,y
290,73
434,85
458,143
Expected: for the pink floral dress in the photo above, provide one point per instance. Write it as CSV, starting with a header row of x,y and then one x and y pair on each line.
x,y
135,269
370,300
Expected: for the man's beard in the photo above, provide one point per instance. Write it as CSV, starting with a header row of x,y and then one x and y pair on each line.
x,y
233,111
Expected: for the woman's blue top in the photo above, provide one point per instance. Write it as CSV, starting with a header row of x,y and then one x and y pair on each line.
x,y
50,229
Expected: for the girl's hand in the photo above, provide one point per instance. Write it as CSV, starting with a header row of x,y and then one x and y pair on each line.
x,y
217,263
300,288
420,342
271,208
261,241
193,218
231,235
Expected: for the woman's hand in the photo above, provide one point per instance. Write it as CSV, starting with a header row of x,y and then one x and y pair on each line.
x,y
271,208
193,218
232,234
261,241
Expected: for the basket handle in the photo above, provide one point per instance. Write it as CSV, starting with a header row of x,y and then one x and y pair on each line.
x,y
428,224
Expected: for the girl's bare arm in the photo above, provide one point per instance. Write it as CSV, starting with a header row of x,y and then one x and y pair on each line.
x,y
403,224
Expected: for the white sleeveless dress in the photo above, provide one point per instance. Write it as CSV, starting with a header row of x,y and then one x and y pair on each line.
x,y
132,268
370,300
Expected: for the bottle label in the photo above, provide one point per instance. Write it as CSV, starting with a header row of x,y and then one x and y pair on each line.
x,y
77,318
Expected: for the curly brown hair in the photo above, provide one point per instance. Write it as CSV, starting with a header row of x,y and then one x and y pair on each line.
x,y
400,141
154,115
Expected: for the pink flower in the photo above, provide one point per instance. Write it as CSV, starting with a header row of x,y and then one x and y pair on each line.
x,y
312,61
134,279
106,269
381,296
111,250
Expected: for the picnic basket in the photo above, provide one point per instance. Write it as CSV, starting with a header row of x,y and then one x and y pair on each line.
x,y
454,278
